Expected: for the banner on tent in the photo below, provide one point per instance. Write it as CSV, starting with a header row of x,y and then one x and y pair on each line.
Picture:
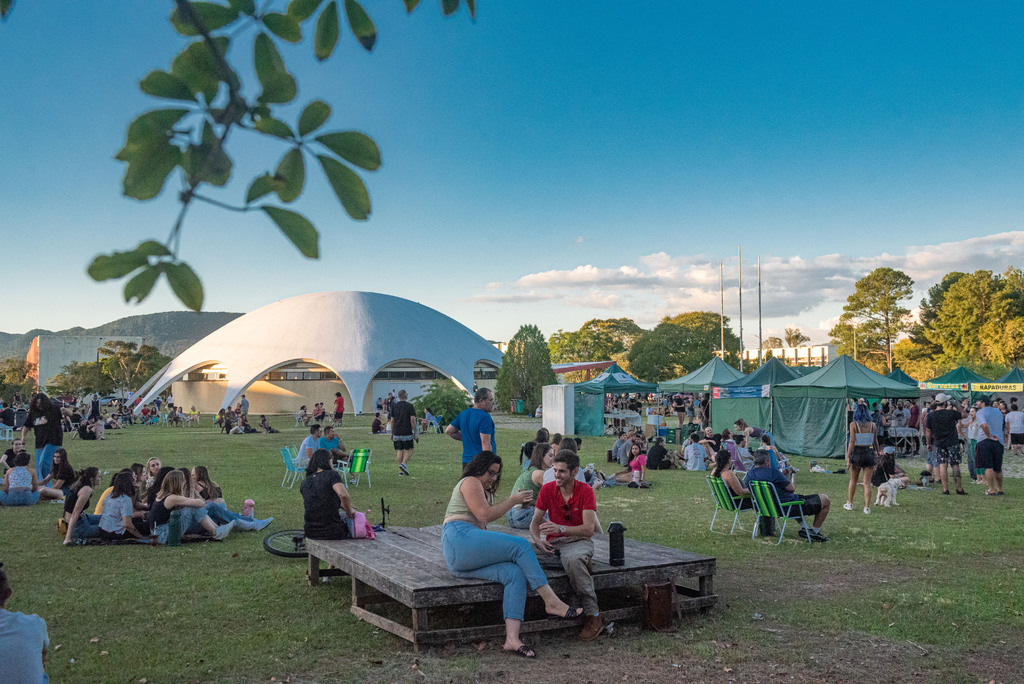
x,y
762,391
960,386
997,386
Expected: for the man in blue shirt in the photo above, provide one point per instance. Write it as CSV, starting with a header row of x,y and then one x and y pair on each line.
x,y
814,504
989,452
474,426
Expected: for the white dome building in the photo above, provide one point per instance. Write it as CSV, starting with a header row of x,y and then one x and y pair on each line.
x,y
303,349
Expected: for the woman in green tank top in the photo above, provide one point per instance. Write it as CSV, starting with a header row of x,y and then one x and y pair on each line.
x,y
530,480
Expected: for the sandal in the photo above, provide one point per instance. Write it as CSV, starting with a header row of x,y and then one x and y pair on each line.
x,y
571,613
523,651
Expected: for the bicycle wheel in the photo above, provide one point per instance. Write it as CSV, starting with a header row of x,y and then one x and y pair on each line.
x,y
287,543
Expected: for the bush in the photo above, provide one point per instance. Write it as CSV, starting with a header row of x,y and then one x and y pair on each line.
x,y
444,398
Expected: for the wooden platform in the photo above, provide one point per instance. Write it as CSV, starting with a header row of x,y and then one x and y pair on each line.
x,y
405,565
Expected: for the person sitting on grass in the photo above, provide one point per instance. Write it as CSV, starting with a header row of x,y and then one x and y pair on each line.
x,y
265,426
658,457
60,478
81,525
23,642
202,486
633,474
377,427
813,504
20,485
696,453
531,479
470,550
194,520
888,469
116,519
724,470
323,494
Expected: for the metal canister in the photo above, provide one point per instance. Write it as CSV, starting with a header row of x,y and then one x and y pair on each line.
x,y
616,544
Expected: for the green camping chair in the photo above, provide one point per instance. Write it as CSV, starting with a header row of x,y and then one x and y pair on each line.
x,y
768,505
359,463
725,500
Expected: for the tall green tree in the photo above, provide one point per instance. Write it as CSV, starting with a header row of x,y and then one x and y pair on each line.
x,y
525,369
79,379
656,356
596,340
874,316
689,341
773,342
929,311
795,337
16,378
129,365
976,305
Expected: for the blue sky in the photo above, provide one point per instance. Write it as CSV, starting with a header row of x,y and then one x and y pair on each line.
x,y
551,162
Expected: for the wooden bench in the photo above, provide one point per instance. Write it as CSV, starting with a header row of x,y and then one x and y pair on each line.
x,y
405,566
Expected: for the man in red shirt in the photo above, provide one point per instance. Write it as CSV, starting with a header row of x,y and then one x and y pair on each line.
x,y
339,408
566,536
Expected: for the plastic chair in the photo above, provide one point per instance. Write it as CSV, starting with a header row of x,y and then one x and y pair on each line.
x,y
359,463
768,505
6,433
725,500
290,468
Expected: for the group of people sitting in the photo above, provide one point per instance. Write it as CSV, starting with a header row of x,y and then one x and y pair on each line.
x,y
138,502
22,485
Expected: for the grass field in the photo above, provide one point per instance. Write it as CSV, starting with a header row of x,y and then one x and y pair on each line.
x,y
927,591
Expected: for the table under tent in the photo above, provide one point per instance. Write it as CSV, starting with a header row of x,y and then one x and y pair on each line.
x,y
714,372
809,414
585,401
750,397
956,383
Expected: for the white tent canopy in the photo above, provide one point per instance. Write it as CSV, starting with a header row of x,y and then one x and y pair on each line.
x,y
354,334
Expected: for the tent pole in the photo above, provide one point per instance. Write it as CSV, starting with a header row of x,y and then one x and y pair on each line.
x,y
740,264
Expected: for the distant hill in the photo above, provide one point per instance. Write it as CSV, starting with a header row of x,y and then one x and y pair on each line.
x,y
171,332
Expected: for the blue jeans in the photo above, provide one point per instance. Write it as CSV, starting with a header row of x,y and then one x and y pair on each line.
x,y
44,460
19,496
220,514
191,523
86,527
472,552
520,518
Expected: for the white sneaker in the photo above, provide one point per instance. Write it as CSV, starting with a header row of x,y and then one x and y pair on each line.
x,y
848,506
867,511
224,530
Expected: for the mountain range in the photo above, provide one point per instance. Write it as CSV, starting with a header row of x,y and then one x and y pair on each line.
x,y
172,332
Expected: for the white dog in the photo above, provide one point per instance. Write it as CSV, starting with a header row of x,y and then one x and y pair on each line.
x,y
886,495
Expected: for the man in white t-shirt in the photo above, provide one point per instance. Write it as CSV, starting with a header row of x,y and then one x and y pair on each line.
x,y
695,454
1015,427
23,642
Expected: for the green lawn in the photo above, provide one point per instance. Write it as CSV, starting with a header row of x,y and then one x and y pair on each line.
x,y
925,591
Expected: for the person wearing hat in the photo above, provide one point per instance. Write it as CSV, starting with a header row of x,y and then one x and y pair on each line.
x,y
942,431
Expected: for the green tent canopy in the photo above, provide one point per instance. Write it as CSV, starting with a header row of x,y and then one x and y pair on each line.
x,y
614,380
899,376
956,383
772,372
809,413
755,410
1015,375
714,372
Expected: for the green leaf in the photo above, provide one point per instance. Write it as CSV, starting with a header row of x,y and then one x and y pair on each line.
x,y
296,228
278,85
347,186
283,26
186,284
326,31
5,8
449,7
353,147
139,287
275,127
152,248
243,6
211,15
410,5
362,27
116,265
162,84
291,172
198,68
302,9
260,186
207,162
313,117
471,4
149,152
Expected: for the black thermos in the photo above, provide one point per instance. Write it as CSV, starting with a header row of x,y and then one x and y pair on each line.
x,y
616,544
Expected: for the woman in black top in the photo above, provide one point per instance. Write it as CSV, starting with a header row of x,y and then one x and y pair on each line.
x,y
81,525
323,492
45,419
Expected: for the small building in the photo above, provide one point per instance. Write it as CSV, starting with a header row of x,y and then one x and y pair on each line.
x,y
301,350
50,353
814,355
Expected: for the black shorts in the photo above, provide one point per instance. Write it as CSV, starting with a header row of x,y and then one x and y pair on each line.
x,y
812,506
862,457
1017,438
338,415
989,454
404,444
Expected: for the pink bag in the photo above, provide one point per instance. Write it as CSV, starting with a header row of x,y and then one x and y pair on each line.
x,y
361,527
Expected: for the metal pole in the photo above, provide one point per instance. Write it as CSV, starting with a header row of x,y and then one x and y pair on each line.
x,y
721,292
740,263
760,340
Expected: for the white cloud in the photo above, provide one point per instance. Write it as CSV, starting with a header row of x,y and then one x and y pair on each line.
x,y
579,239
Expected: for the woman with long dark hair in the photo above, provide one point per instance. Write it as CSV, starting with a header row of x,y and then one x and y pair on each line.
x,y
860,454
81,525
323,496
45,419
724,469
116,519
531,479
471,551
60,479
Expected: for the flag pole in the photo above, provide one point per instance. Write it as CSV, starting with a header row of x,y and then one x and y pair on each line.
x,y
721,292
760,340
740,262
